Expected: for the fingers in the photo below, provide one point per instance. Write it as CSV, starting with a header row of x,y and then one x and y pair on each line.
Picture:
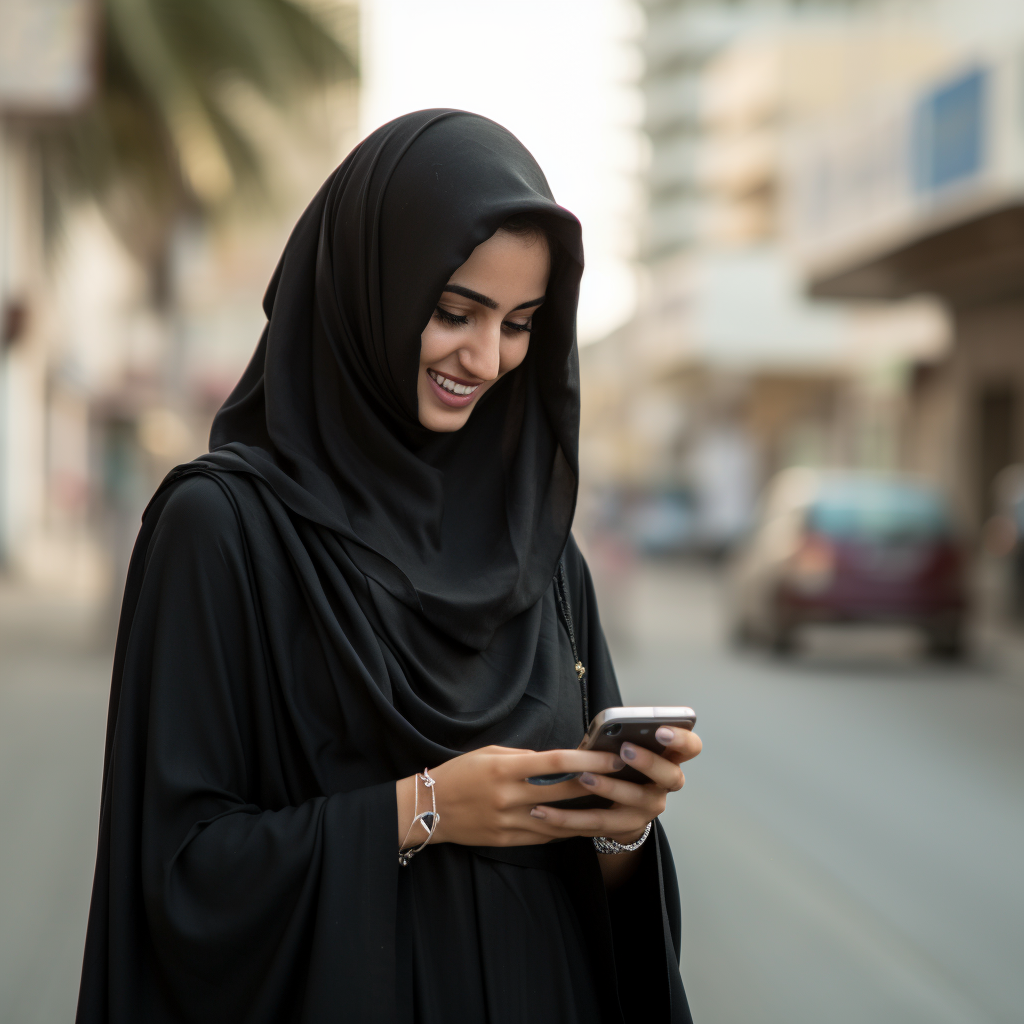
x,y
659,770
551,762
649,799
508,793
680,744
560,822
634,805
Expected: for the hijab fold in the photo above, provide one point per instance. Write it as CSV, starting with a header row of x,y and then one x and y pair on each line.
x,y
464,528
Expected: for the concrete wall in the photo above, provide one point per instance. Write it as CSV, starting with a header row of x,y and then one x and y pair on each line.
x,y
22,357
966,415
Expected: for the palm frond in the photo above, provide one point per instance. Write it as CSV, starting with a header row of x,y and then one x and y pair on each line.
x,y
160,135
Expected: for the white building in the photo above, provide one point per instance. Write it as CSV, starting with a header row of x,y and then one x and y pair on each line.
x,y
104,385
46,71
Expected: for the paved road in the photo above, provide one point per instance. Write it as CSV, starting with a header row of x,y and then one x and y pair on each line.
x,y
850,844
53,694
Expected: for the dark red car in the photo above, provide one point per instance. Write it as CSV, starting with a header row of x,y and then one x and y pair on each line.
x,y
850,547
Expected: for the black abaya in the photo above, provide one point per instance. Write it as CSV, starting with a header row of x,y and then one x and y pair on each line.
x,y
332,599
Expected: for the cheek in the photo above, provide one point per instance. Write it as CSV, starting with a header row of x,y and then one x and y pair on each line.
x,y
435,343
514,352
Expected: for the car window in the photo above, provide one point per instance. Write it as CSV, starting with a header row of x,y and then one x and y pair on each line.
x,y
878,510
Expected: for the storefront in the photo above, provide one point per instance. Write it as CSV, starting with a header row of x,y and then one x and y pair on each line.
x,y
924,194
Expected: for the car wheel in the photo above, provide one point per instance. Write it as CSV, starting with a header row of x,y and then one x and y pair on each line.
x,y
783,642
946,643
781,632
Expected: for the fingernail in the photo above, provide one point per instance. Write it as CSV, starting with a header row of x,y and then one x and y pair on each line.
x,y
618,764
587,779
665,735
536,812
628,752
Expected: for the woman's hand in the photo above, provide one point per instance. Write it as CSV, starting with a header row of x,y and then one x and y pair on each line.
x,y
484,799
633,805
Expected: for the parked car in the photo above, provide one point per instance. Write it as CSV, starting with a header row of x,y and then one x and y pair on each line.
x,y
661,522
850,547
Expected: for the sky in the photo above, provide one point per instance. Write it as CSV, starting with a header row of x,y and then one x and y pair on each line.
x,y
559,74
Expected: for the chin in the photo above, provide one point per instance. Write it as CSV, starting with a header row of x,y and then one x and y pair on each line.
x,y
443,424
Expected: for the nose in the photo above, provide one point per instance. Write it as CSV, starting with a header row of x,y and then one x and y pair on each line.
x,y
482,355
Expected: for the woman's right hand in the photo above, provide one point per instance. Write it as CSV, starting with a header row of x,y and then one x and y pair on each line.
x,y
483,797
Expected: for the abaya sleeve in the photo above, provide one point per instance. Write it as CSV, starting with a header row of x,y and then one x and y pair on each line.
x,y
252,899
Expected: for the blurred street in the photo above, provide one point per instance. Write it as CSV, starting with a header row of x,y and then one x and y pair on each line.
x,y
848,844
54,683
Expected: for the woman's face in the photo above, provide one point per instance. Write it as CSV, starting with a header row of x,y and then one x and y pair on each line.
x,y
481,327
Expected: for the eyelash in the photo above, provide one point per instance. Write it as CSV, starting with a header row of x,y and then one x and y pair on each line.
x,y
451,319
454,320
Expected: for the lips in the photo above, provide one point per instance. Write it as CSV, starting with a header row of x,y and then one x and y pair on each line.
x,y
454,393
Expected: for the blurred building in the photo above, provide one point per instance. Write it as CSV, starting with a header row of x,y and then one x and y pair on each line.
x,y
112,368
731,370
924,194
47,64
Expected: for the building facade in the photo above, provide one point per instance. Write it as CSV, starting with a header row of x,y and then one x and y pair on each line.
x,y
112,364
47,71
728,349
926,196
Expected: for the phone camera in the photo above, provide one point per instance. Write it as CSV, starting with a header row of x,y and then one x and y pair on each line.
x,y
612,730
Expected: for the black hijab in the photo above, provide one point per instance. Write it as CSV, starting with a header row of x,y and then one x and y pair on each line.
x,y
465,529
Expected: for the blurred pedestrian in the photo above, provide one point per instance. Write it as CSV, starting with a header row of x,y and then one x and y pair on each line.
x,y
370,573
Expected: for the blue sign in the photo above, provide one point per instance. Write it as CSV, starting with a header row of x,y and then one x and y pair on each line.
x,y
949,132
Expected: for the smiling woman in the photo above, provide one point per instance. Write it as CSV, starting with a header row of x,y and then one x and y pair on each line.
x,y
354,630
481,327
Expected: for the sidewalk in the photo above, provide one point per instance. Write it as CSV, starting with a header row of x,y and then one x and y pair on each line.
x,y
1000,646
998,642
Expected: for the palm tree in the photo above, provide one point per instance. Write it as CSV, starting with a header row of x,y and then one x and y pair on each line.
x,y
163,135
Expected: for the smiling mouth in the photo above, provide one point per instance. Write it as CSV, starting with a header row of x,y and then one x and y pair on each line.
x,y
453,387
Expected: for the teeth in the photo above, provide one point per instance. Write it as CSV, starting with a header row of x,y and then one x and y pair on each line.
x,y
450,385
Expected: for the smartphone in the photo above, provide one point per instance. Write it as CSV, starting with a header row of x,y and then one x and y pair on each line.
x,y
608,731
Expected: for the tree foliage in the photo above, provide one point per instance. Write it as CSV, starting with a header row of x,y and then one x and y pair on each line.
x,y
162,134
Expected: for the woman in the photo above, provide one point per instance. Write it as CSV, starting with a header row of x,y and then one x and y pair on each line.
x,y
355,584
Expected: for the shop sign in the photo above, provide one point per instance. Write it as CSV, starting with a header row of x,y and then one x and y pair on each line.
x,y
949,132
869,180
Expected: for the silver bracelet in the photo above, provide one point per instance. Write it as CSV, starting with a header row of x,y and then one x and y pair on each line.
x,y
428,819
605,845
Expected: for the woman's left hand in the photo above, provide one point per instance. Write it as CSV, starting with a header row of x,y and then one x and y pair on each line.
x,y
634,806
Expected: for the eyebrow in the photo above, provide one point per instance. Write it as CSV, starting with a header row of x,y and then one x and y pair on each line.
x,y
468,293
